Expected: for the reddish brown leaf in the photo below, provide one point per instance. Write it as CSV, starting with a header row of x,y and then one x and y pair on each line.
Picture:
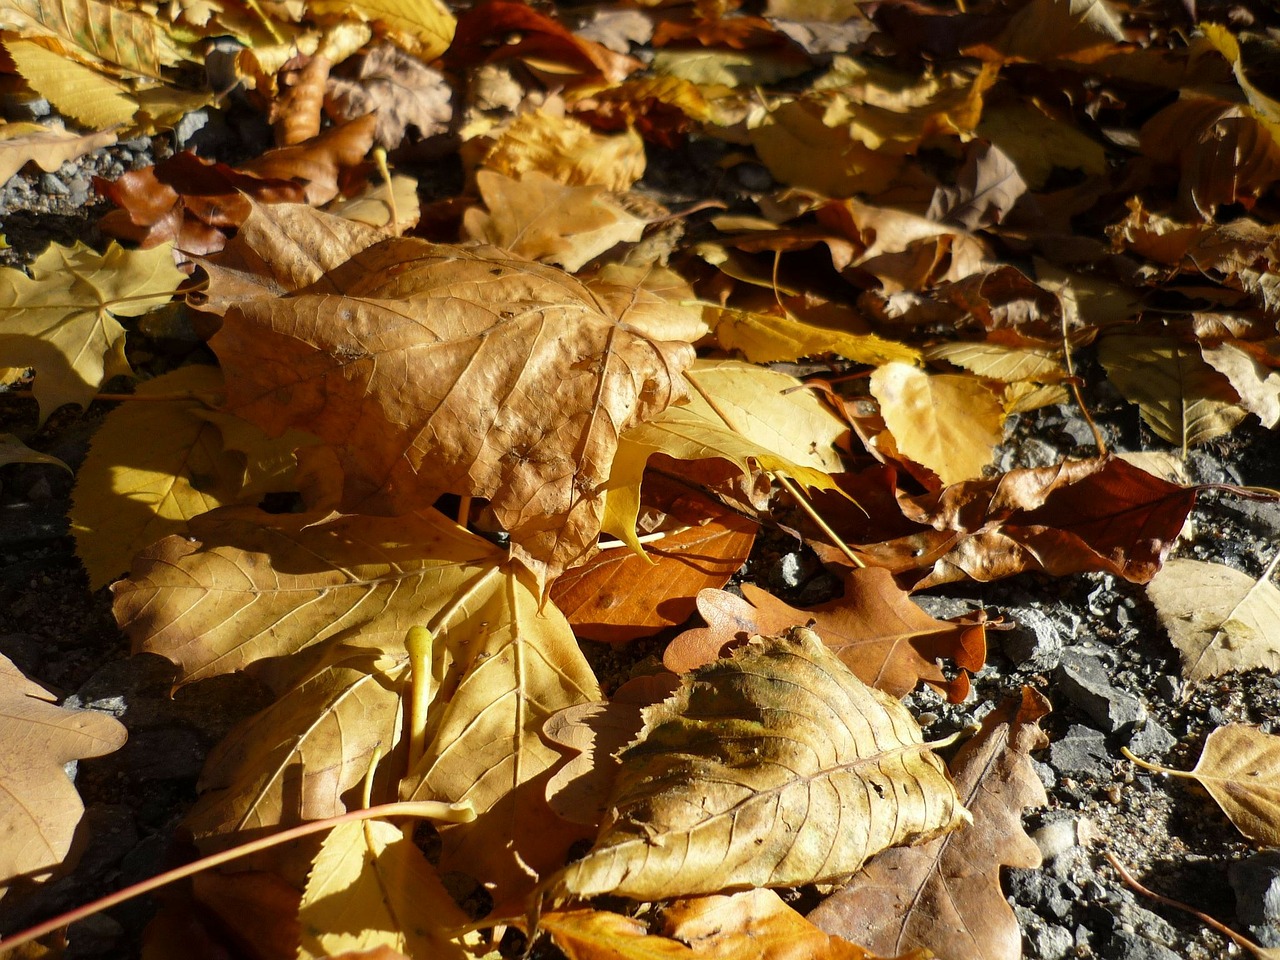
x,y
875,628
945,895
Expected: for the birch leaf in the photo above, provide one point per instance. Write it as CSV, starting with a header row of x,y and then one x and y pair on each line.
x,y
77,91
105,32
775,767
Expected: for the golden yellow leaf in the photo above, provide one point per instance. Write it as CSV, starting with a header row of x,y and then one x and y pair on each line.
x,y
61,319
39,806
949,423
422,27
1038,143
48,145
1220,619
764,337
538,218
97,30
568,151
87,96
1240,767
746,414
996,361
774,767
1046,30
652,300
128,494
370,887
372,205
1184,400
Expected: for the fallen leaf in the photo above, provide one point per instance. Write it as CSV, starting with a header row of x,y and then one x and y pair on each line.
x,y
1037,143
98,32
1240,767
987,188
48,145
529,418
764,338
1256,383
950,423
424,28
13,450
1048,30
654,301
87,96
538,218
566,150
945,896
401,90
60,317
1183,398
995,361
370,887
1221,620
874,628
774,768
40,808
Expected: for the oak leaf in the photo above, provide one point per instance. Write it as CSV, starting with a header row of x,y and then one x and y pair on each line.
x,y
370,887
874,628
773,768
1221,620
538,218
1240,768
945,895
40,808
402,91
448,369
60,317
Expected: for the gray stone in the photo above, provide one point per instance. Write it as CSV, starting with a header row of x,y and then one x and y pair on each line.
x,y
189,126
52,186
1035,641
1079,432
1125,945
1256,881
1050,941
1081,752
1152,738
1083,681
1169,687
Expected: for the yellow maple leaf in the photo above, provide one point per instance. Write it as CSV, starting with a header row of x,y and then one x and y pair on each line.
x,y
61,319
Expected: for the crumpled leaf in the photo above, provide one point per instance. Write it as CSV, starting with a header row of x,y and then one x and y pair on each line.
x,y
401,90
61,318
1183,398
950,423
987,188
874,628
370,887
1221,620
536,217
566,150
773,768
406,375
1240,767
1256,383
945,895
39,806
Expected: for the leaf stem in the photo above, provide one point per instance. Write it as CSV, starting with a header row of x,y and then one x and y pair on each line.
x,y
1074,383
1156,767
429,809
418,643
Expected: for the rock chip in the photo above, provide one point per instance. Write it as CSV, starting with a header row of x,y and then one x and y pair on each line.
x,y
1083,680
1124,945
1035,641
1081,752
1256,881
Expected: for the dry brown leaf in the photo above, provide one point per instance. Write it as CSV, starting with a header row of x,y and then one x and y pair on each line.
x,y
654,301
450,369
568,151
1240,767
773,768
874,628
945,896
950,423
402,91
1256,383
538,218
987,188
1220,619
39,805
48,145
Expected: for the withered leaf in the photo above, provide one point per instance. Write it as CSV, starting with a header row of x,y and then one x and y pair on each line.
x,y
771,768
945,895
434,369
400,90
874,628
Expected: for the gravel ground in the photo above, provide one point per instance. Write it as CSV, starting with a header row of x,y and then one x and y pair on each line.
x,y
1090,643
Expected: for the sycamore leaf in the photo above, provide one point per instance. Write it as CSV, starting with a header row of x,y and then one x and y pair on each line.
x,y
568,151
61,319
371,887
764,337
83,94
402,90
13,450
129,495
104,32
949,423
536,217
652,300
422,27
39,806
1220,619
746,414
422,387
48,145
773,768
1257,384
1240,767
752,925
1184,399
875,629
945,895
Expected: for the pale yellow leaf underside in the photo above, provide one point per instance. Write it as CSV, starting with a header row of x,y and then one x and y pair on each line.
x,y
77,91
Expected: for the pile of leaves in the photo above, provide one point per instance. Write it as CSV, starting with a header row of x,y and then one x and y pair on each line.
x,y
424,449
